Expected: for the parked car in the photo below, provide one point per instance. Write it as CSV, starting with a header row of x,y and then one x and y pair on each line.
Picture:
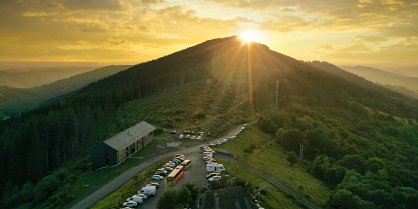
x,y
177,161
181,136
180,158
215,167
193,137
179,155
130,204
169,165
157,185
207,157
168,168
160,173
198,137
219,142
212,174
214,178
224,140
160,169
212,160
136,199
173,132
143,196
148,190
157,177
187,136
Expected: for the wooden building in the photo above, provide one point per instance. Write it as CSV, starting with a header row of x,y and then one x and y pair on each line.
x,y
116,149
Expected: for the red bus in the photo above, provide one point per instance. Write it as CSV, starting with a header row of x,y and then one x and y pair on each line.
x,y
175,175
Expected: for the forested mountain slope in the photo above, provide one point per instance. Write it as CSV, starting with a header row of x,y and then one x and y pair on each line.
x,y
231,74
13,101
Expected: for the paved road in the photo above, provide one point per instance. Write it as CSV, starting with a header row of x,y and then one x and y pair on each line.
x,y
277,183
124,177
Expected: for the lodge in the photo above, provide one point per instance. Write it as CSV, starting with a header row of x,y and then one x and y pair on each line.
x,y
116,149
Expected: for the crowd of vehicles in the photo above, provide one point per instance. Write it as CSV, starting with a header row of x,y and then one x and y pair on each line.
x,y
173,171
190,135
214,168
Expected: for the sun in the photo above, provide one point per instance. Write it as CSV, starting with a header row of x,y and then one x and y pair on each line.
x,y
251,36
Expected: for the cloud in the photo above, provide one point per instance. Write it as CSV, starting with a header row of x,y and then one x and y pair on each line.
x,y
132,30
371,38
95,4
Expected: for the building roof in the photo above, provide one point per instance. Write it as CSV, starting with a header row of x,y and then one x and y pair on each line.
x,y
130,135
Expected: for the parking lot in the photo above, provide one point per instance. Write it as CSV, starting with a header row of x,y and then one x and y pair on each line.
x,y
189,152
196,174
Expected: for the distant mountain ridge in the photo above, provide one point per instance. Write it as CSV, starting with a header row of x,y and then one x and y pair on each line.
x,y
27,76
384,77
15,100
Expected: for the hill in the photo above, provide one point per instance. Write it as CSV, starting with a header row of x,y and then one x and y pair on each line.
x,y
353,130
28,75
16,100
384,77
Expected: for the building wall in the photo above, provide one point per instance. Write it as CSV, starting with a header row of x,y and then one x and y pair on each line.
x,y
114,157
103,155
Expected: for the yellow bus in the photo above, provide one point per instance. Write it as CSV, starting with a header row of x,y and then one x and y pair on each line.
x,y
175,175
186,164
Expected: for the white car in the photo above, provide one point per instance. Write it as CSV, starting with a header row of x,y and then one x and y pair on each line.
x,y
168,168
181,136
179,155
135,198
224,140
130,204
198,137
214,178
193,137
157,177
171,164
208,157
212,175
210,161
218,142
157,185
142,195
187,136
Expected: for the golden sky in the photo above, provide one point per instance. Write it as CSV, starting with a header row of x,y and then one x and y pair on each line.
x,y
375,32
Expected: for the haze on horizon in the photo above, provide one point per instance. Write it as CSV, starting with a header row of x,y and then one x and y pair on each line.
x,y
352,32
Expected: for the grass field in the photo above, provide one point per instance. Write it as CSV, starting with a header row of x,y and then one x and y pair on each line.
x,y
130,188
197,107
268,156
274,197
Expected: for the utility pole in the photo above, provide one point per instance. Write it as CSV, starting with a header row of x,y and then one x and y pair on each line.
x,y
301,153
277,94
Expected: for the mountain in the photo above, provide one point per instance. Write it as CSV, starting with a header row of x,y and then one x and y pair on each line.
x,y
16,100
384,77
411,71
13,100
360,139
33,74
